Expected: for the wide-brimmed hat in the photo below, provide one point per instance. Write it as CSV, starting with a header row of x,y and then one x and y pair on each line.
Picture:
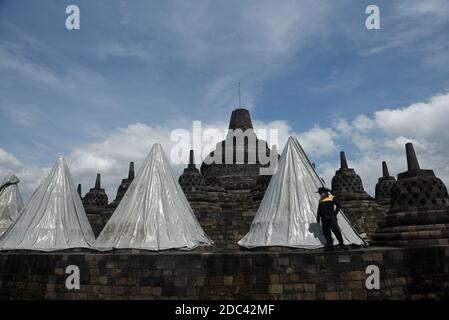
x,y
323,190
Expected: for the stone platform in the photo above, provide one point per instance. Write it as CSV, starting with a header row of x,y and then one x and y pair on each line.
x,y
210,273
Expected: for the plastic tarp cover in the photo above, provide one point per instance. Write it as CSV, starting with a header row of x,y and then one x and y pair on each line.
x,y
10,201
287,213
154,214
53,219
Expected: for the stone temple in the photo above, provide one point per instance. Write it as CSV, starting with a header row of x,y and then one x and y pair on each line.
x,y
407,225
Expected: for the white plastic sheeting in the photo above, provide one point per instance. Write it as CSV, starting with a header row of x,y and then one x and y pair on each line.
x,y
154,214
53,219
287,213
10,201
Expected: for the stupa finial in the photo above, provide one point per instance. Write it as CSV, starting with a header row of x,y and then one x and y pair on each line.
x,y
131,171
412,161
191,160
385,171
98,182
343,162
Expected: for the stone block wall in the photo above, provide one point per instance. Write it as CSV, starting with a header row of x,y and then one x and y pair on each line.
x,y
210,216
98,217
364,215
414,273
225,216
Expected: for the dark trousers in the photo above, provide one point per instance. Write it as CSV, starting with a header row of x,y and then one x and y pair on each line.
x,y
328,226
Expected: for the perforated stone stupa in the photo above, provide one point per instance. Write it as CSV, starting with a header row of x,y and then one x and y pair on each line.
x,y
419,213
213,184
204,200
347,184
383,187
360,208
95,204
191,180
96,197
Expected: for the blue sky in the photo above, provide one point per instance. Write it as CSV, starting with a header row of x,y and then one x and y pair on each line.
x,y
136,70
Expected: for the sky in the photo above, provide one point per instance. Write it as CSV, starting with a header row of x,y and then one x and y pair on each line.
x,y
102,95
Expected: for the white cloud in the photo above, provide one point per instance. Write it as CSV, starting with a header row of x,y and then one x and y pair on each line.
x,y
422,121
363,123
384,135
363,142
8,160
342,126
111,156
318,141
30,177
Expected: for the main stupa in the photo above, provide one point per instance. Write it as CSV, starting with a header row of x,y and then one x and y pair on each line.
x,y
236,161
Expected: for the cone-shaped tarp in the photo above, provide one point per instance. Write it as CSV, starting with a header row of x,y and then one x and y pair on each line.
x,y
154,213
10,201
287,213
53,219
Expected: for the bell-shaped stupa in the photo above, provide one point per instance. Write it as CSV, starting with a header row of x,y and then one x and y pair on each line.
x,y
360,208
347,184
96,197
419,212
191,180
383,187
237,160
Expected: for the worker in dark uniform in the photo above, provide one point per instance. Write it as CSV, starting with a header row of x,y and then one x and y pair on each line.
x,y
328,209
